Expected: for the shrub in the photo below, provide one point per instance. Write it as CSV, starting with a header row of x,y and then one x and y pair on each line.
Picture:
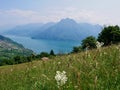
x,y
110,34
89,42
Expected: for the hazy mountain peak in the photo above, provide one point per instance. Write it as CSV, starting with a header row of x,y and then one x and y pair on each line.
x,y
67,20
65,29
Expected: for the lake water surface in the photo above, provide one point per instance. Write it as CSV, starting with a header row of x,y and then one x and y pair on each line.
x,y
42,45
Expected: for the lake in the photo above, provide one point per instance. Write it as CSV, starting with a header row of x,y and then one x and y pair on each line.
x,y
43,45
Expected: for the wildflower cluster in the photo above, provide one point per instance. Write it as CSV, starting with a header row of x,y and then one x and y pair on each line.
x,y
99,44
61,78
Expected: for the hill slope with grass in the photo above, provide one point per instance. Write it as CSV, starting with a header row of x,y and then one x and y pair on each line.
x,y
93,70
9,48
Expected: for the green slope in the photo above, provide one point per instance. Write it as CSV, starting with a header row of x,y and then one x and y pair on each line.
x,y
92,70
9,48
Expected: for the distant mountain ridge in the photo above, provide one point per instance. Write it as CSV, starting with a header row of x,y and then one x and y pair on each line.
x,y
65,29
23,30
28,29
68,29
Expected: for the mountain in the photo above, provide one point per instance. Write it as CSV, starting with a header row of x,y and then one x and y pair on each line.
x,y
28,29
42,28
9,48
5,28
68,29
23,30
65,29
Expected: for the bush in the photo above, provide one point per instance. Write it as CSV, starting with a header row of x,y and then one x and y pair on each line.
x,y
77,49
6,62
44,54
110,34
89,42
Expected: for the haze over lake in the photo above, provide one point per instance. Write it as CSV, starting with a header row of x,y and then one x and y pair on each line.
x,y
43,45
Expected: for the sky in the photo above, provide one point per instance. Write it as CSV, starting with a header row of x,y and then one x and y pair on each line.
x,y
17,12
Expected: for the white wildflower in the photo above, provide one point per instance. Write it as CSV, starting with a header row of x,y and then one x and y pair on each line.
x,y
34,66
86,50
59,63
11,69
105,53
117,48
61,78
89,55
99,44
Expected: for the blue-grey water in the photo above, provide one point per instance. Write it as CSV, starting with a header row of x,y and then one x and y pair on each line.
x,y
43,45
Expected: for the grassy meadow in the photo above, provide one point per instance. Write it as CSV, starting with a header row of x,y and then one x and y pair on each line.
x,y
91,70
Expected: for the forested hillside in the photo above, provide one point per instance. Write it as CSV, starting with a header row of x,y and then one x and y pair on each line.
x,y
9,48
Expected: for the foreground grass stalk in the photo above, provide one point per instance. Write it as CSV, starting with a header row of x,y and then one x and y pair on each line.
x,y
98,70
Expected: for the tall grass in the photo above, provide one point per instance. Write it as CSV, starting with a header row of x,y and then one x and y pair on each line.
x,y
91,70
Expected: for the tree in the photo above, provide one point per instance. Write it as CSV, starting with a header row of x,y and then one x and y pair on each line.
x,y
17,59
110,34
77,49
52,53
29,59
44,54
89,42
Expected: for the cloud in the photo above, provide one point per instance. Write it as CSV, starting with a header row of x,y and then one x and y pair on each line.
x,y
79,15
17,16
90,16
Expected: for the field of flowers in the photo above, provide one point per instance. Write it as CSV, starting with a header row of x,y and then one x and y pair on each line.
x,y
97,69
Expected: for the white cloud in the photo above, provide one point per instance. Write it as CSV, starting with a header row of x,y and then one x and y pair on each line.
x,y
17,16
87,16
79,15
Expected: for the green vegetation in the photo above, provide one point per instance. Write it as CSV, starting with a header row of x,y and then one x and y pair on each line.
x,y
110,35
10,49
89,42
52,52
87,69
77,49
18,59
92,70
